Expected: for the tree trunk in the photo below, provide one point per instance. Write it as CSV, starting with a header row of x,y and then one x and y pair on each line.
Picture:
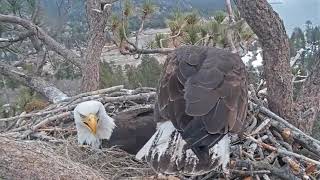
x,y
308,101
229,30
268,26
36,83
97,17
34,160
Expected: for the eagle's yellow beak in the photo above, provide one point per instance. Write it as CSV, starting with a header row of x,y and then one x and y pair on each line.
x,y
91,121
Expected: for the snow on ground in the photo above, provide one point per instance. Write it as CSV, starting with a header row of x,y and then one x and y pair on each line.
x,y
255,56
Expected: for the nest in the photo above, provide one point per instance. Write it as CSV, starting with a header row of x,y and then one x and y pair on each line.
x,y
112,163
269,148
55,122
55,125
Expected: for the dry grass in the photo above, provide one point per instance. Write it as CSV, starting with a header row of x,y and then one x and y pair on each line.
x,y
112,162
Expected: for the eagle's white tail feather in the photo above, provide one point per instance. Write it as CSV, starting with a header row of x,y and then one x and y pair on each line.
x,y
166,153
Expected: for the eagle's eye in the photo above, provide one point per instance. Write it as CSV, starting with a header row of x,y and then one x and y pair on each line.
x,y
85,123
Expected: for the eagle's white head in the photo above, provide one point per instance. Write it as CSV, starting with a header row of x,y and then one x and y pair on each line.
x,y
92,123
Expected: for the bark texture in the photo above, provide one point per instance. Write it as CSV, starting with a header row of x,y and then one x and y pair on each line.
x,y
97,13
268,26
31,160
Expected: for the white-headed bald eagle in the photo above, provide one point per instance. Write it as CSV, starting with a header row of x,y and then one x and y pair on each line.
x,y
202,98
92,123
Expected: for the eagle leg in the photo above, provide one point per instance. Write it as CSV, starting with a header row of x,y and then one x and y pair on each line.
x,y
202,153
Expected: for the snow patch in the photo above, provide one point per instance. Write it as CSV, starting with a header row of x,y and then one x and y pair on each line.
x,y
255,57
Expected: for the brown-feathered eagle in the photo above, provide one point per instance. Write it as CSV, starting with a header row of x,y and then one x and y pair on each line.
x,y
202,98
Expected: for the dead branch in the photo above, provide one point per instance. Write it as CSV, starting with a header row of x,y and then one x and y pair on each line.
x,y
133,49
173,36
41,113
294,59
44,37
229,30
36,83
20,37
70,105
139,32
100,91
284,152
249,173
50,119
261,126
300,137
261,165
286,123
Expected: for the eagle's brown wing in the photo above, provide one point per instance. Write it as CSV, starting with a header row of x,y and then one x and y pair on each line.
x,y
203,92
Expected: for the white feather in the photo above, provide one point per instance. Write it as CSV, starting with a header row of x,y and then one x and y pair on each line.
x,y
105,125
168,142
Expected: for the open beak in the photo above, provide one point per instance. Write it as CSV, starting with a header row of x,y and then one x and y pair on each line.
x,y
92,122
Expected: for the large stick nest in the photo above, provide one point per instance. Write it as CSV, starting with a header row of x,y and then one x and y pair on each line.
x,y
270,148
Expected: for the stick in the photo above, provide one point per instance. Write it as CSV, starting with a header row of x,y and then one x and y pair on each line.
x,y
301,138
100,91
249,173
283,152
39,113
261,126
279,119
70,107
50,119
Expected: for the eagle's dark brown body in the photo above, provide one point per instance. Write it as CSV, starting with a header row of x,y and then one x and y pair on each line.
x,y
203,92
132,132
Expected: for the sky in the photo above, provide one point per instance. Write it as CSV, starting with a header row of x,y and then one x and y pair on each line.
x,y
296,12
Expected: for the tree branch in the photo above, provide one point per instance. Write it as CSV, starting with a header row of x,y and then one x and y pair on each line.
x,y
36,83
44,37
135,50
139,32
20,37
229,30
294,60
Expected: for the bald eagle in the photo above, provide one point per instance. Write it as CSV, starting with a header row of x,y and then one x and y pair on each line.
x,y
92,123
202,99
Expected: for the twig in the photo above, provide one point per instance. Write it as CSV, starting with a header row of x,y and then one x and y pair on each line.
x,y
281,173
249,173
66,108
284,152
300,137
294,60
279,119
50,119
139,32
171,37
100,91
261,126
135,50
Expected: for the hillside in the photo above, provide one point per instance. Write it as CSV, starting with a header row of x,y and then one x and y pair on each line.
x,y
165,8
